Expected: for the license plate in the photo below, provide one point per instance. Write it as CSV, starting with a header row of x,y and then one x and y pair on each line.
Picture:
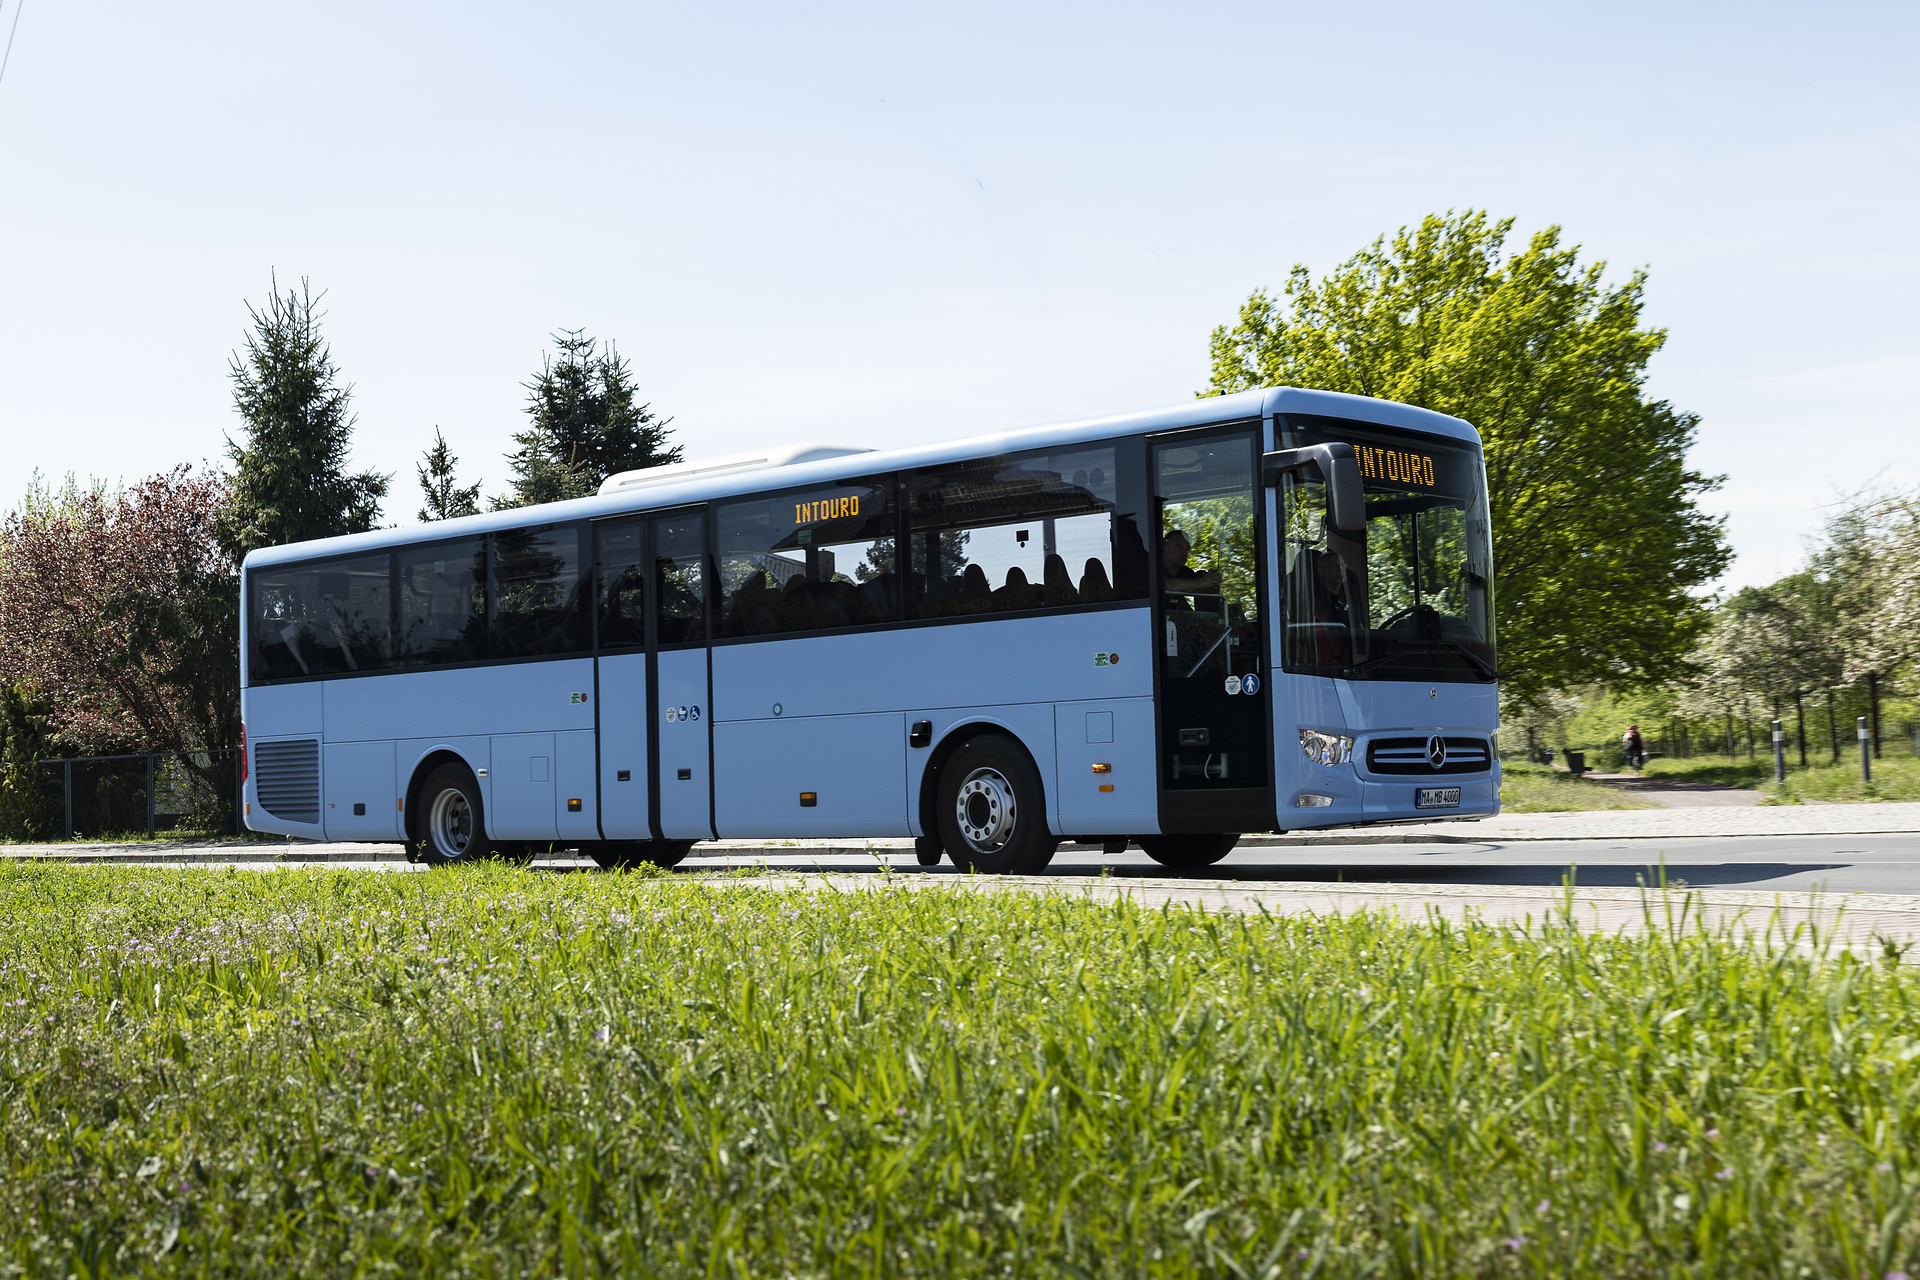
x,y
1437,798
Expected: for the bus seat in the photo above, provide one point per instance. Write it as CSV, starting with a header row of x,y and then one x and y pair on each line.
x,y
1094,584
1059,585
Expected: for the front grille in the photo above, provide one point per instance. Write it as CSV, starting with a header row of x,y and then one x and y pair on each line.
x,y
286,777
1412,756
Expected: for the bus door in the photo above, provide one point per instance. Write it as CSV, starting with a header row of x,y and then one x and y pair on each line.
x,y
1213,688
682,723
622,680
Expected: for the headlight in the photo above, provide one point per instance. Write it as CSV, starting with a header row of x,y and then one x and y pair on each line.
x,y
1326,748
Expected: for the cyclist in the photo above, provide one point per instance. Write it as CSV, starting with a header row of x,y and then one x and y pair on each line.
x,y
1636,748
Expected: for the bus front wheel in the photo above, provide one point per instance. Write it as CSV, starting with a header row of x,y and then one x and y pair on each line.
x,y
615,854
451,827
993,810
1187,851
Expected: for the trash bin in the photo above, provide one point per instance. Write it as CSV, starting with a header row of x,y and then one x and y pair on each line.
x,y
1576,762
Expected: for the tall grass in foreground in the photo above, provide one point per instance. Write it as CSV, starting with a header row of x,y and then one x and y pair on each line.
x,y
493,1073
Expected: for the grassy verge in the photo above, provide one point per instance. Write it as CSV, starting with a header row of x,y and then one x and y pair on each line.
x,y
1894,778
161,837
1536,788
491,1073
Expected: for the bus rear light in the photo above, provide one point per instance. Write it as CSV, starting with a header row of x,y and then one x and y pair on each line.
x,y
243,754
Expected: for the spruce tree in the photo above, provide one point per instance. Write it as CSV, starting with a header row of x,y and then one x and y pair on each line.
x,y
585,425
290,479
444,495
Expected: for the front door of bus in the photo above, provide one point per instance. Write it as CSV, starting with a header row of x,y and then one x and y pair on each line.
x,y
1215,756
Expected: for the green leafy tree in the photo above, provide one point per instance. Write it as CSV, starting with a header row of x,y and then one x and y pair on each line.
x,y
1599,540
290,480
445,497
26,802
585,426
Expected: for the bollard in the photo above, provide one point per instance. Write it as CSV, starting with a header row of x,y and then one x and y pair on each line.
x,y
1866,752
1779,753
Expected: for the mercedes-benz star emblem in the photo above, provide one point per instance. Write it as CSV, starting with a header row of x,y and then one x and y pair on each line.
x,y
1437,752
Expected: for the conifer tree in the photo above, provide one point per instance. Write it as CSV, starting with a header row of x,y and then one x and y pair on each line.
x,y
444,495
290,480
585,425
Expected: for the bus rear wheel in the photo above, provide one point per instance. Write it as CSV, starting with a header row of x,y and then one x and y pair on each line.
x,y
451,828
615,854
1187,851
992,809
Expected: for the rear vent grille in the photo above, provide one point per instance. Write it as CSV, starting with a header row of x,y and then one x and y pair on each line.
x,y
286,777
1416,756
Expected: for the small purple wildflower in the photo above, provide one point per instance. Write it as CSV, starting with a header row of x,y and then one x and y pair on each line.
x,y
1659,1146
1713,1133
1724,1174
1543,1206
1516,1243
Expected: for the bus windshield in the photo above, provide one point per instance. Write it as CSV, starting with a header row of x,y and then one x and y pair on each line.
x,y
1411,598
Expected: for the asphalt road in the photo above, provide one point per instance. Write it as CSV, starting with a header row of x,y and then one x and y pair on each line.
x,y
1834,864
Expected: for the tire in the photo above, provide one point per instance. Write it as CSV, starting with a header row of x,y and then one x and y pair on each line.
x,y
1187,852
451,821
614,855
992,809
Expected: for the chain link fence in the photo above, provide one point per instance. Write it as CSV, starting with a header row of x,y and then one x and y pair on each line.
x,y
93,796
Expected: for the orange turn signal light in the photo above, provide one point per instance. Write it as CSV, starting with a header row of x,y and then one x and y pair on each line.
x,y
1103,768
1106,786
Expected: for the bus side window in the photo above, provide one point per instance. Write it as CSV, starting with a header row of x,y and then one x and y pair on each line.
x,y
320,619
443,603
622,585
810,560
1034,531
539,601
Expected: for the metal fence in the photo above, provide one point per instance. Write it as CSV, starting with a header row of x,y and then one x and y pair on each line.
x,y
157,791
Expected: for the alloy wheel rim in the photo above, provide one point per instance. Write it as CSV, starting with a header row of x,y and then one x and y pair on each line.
x,y
450,824
986,810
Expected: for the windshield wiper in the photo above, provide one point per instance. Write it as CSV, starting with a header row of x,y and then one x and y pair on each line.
x,y
1430,647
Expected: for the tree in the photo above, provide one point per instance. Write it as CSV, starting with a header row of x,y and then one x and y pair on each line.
x,y
444,495
1599,541
290,481
585,426
118,614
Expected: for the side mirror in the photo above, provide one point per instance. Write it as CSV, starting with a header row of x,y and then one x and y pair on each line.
x,y
1339,467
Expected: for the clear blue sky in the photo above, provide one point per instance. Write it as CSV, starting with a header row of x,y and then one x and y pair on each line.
x,y
888,223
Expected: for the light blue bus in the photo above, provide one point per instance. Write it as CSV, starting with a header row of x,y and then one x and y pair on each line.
x,y
1262,612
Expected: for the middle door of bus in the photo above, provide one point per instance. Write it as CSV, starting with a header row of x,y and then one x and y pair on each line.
x,y
652,681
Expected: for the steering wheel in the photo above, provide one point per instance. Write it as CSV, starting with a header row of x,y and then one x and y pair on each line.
x,y
1407,612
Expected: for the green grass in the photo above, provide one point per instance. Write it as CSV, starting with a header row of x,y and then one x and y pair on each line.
x,y
492,1073
1894,778
1537,788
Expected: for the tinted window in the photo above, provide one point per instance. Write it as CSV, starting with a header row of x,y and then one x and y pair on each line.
x,y
320,618
680,551
807,561
622,585
539,604
1028,532
443,603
